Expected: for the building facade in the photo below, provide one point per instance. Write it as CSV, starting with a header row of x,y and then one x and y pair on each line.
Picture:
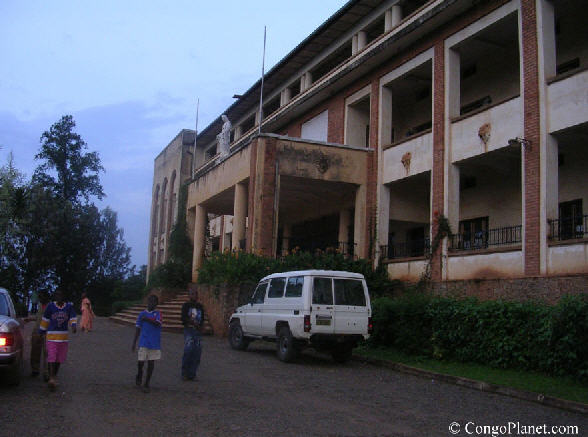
x,y
395,113
173,168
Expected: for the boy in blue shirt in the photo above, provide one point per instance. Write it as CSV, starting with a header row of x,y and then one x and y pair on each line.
x,y
149,334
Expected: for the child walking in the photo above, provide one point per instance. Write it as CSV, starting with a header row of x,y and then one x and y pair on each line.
x,y
149,334
57,318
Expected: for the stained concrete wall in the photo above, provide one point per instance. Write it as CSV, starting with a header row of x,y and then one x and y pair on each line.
x,y
568,105
491,265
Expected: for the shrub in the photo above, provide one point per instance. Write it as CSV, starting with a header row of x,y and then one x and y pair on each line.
x,y
402,323
238,267
170,274
523,335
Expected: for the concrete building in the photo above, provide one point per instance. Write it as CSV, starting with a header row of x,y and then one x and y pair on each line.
x,y
393,113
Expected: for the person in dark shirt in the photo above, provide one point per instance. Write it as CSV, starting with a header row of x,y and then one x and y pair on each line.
x,y
192,319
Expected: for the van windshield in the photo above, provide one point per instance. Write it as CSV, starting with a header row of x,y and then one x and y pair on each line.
x,y
349,292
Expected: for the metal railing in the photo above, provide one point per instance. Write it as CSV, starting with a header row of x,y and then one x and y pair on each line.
x,y
342,247
505,236
568,228
409,249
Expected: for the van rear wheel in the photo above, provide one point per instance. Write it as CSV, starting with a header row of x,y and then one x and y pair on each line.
x,y
286,350
237,339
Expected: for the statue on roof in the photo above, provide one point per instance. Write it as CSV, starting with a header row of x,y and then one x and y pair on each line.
x,y
224,138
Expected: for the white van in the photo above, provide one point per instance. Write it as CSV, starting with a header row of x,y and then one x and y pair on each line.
x,y
324,309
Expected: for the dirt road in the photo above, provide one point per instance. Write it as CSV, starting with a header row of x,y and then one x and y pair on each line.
x,y
248,394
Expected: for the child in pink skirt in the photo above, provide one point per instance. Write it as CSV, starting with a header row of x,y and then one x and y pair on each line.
x,y
57,317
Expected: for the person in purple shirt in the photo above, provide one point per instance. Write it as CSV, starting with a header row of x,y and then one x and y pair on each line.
x,y
148,332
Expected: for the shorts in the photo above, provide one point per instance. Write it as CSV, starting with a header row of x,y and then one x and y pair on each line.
x,y
56,351
146,354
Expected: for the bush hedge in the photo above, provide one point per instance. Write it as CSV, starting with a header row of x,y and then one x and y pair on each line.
x,y
238,267
528,335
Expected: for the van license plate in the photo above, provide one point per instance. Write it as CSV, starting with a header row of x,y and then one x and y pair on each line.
x,y
323,320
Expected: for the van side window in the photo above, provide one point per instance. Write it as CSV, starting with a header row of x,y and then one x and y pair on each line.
x,y
322,291
259,295
276,288
294,286
349,292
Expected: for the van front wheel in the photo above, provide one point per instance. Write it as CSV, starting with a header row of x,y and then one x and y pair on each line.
x,y
237,339
286,348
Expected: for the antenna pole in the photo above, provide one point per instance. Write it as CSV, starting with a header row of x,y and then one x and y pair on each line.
x,y
195,136
261,91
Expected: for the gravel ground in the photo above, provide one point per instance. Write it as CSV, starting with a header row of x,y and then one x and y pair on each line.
x,y
248,394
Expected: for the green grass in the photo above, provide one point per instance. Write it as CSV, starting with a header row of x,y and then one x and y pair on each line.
x,y
560,387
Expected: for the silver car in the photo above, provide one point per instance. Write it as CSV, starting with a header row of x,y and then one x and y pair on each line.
x,y
11,340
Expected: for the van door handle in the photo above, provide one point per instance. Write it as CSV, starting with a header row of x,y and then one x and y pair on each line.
x,y
328,308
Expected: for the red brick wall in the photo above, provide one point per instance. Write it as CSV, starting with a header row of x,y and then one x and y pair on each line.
x,y
251,193
546,289
532,169
372,173
438,174
266,215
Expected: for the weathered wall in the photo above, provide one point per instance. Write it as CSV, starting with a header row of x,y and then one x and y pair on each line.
x,y
547,289
220,301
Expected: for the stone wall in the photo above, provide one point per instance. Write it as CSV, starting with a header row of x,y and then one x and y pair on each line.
x,y
547,289
220,301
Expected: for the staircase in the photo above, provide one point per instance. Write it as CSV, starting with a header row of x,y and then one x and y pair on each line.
x,y
171,312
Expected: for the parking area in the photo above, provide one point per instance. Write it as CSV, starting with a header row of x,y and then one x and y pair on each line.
x,y
249,393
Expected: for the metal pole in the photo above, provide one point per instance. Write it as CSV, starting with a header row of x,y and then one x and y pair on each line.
x,y
195,135
261,91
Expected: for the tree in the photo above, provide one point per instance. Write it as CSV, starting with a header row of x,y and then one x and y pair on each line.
x,y
13,206
114,256
77,172
76,245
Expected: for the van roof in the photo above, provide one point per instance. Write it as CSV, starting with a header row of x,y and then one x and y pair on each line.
x,y
337,273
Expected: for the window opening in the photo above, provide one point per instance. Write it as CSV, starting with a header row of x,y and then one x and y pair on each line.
x,y
276,288
322,291
294,286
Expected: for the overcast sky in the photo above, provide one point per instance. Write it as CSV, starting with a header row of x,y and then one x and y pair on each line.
x,y
130,73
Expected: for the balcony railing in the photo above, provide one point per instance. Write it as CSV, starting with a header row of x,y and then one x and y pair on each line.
x,y
409,249
505,236
342,247
568,228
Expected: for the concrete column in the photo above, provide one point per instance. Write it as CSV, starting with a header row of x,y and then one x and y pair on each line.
x,y
361,40
453,198
359,225
238,132
354,44
344,223
383,218
549,189
392,18
199,241
239,214
305,81
223,226
285,96
286,234
453,83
